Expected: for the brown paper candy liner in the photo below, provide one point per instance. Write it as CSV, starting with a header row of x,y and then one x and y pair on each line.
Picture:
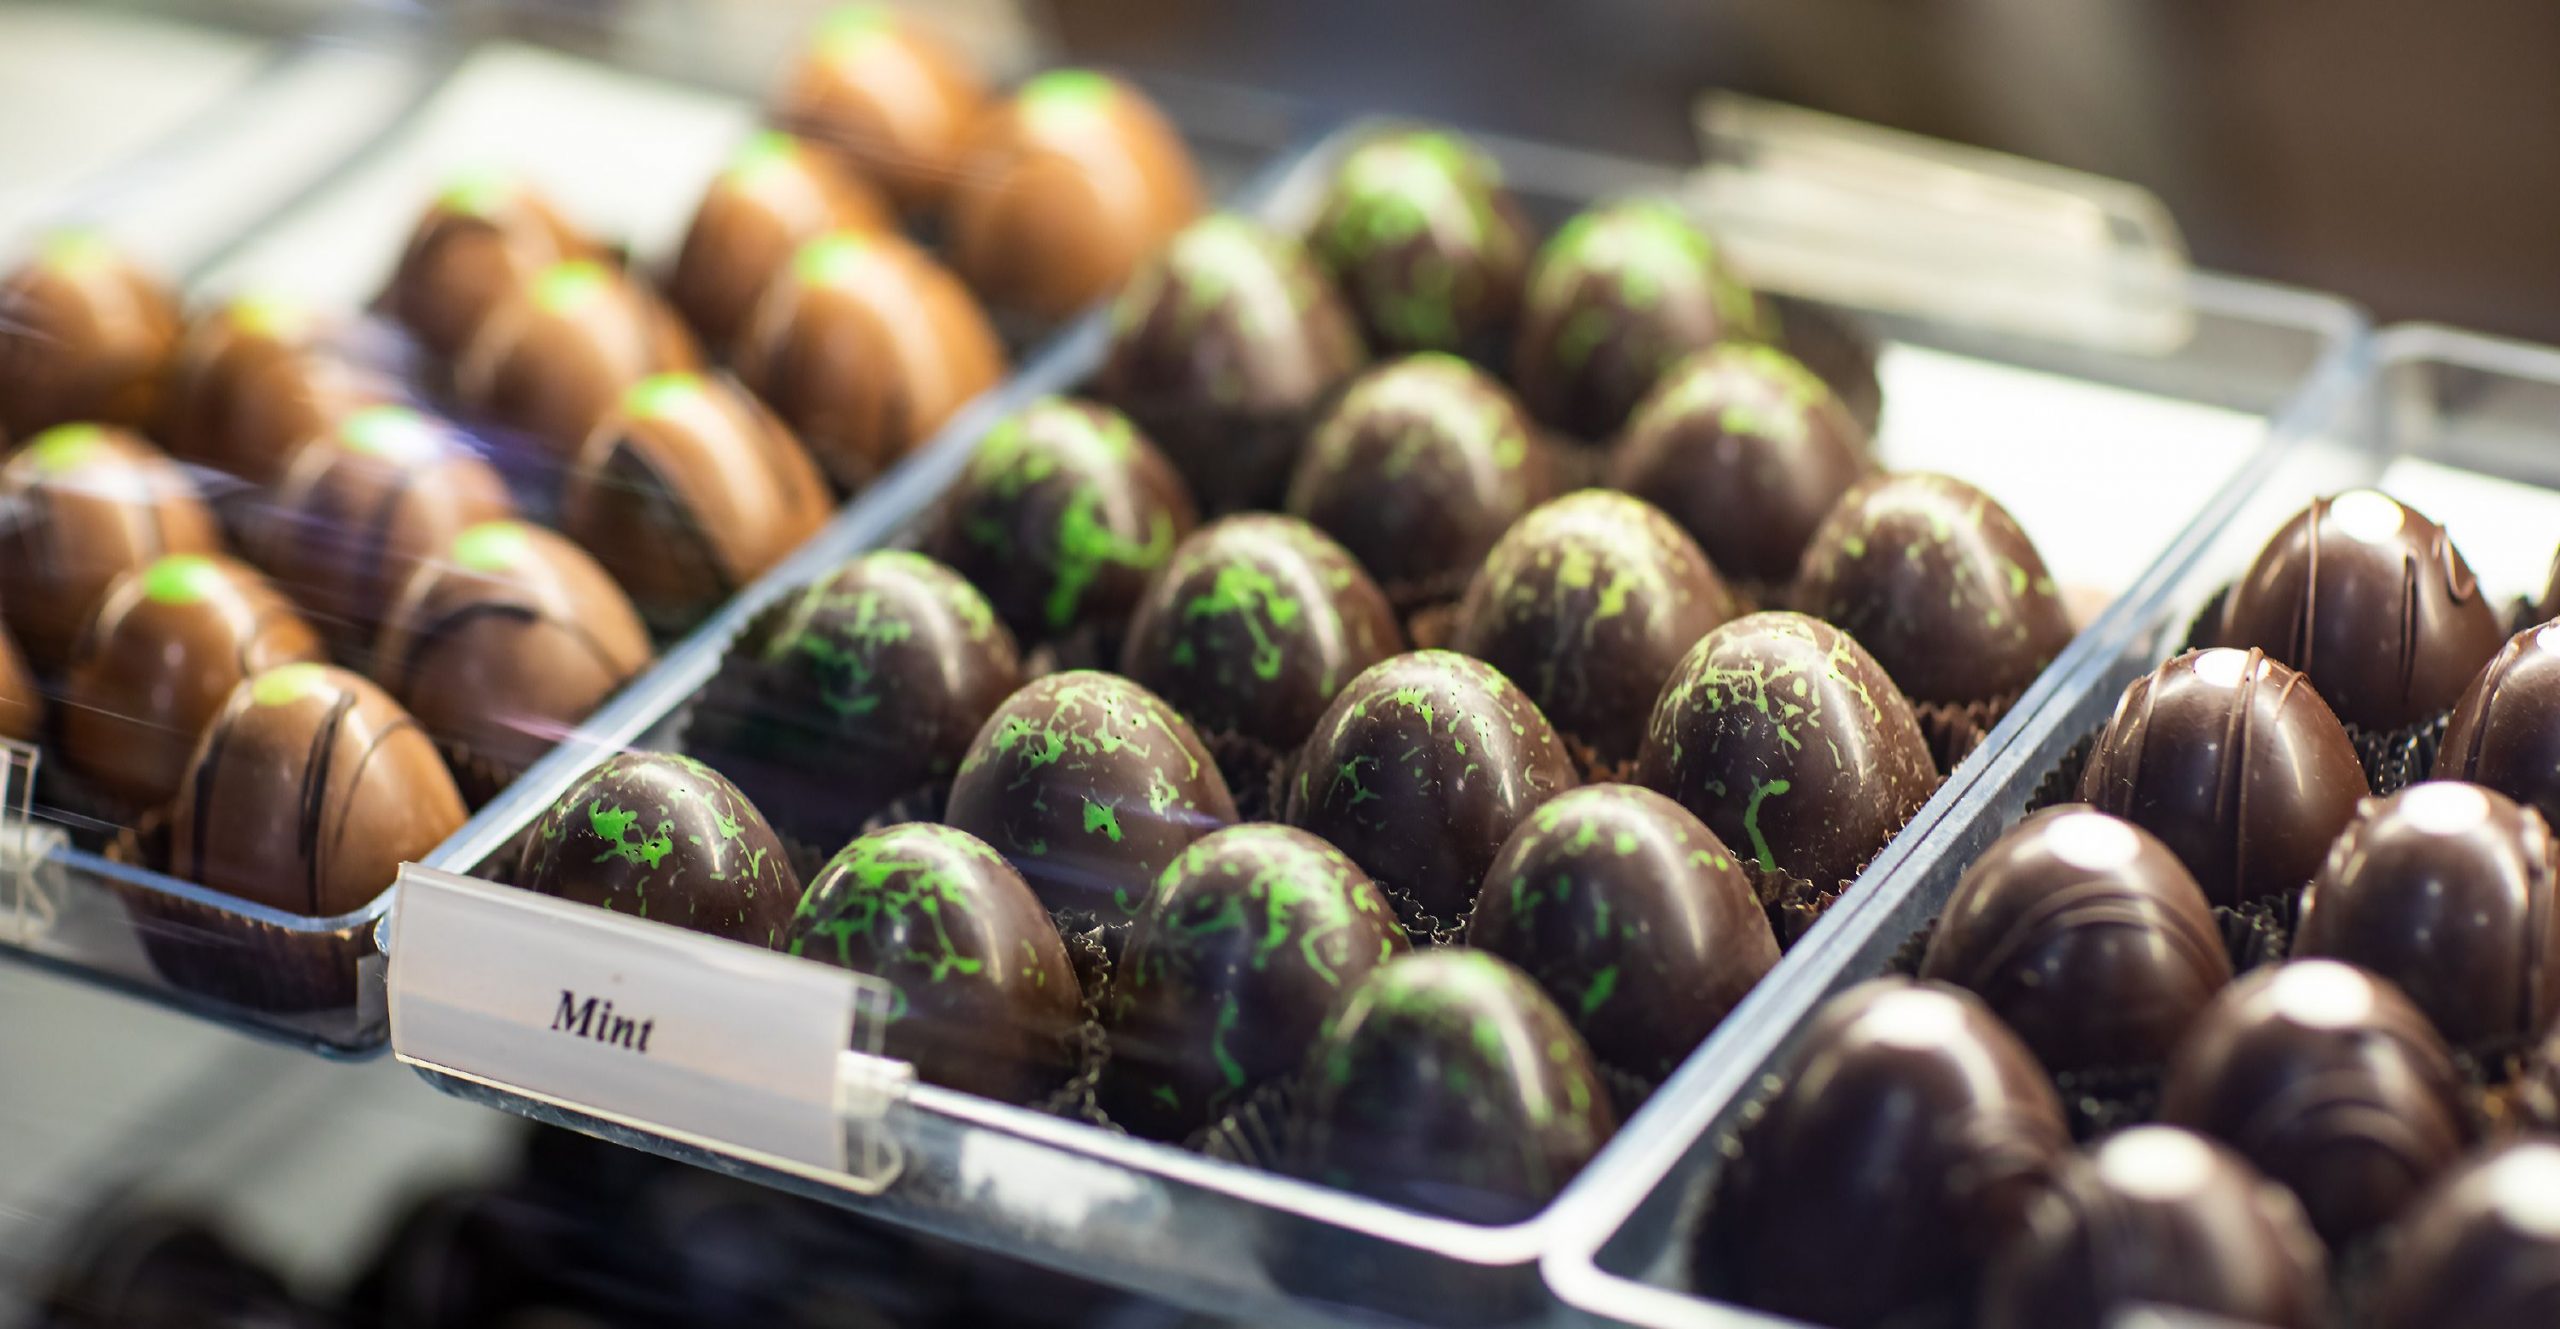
x,y
96,819
1089,1044
1251,769
1594,768
478,775
1794,904
1084,646
923,803
1954,729
1578,465
1260,1131
214,953
1270,441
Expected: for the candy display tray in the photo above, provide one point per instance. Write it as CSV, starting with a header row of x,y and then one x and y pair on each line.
x,y
2112,460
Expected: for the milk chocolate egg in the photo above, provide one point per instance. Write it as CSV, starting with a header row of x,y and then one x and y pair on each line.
x,y
1428,246
887,96
775,195
256,378
22,707
554,357
81,505
664,838
479,242
1614,299
84,336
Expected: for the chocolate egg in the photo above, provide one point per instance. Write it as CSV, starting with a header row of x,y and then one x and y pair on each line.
x,y
552,359
888,97
866,347
2505,732
2446,890
986,998
84,336
1421,466
21,700
308,791
169,643
1629,912
1446,1082
2482,1250
687,491
1789,742
1089,785
775,195
1614,299
1430,249
257,378
1064,189
81,505
666,838
1222,349
1248,940
1063,516
1588,603
481,240
1255,624
2235,762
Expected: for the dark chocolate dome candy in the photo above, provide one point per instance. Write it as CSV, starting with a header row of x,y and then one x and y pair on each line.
x,y
1247,942
2235,762
890,98
1255,624
860,687
2505,732
80,506
2372,602
2446,890
1588,603
1222,349
1913,1130
1089,785
1064,514
1630,913
257,378
307,793
1447,1083
1429,248
987,998
1614,299
553,358
1940,585
86,338
2328,1081
2482,1250
2086,936
1789,742
775,195
481,239
1421,769
1421,466
665,838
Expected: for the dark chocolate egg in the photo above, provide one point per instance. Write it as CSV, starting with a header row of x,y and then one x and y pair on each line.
x,y
1789,742
1420,770
1255,624
553,358
666,838
1430,249
1447,1083
1248,940
1630,913
2086,936
986,997
1223,348
2235,762
2482,1250
308,791
1912,1130
2446,890
2371,601
775,195
84,336
1063,516
257,378
1421,466
2328,1081
1588,603
1089,785
890,98
479,242
1614,299
22,705
80,506
2505,732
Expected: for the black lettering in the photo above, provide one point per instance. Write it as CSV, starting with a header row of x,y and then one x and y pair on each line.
x,y
622,1032
645,1027
573,1017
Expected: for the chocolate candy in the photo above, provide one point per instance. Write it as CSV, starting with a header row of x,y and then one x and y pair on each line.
x,y
552,359
1064,189
687,491
2482,1250
1423,464
1246,943
1913,1130
1420,770
986,996
777,194
2372,603
865,347
2505,732
1222,349
2446,890
1588,603
169,643
1430,249
1631,914
1939,584
1784,736
1255,624
86,337
83,506
1614,299
1748,451
1089,785
863,686
888,97
2328,1081
1446,1082
21,701
2236,764
667,838
505,640
1062,517
307,793
483,239
255,379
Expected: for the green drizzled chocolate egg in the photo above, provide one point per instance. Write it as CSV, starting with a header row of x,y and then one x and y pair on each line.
x,y
1619,295
1248,940
1428,247
666,838
986,998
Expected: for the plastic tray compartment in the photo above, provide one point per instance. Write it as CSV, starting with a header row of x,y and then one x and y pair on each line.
x,y
2105,456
